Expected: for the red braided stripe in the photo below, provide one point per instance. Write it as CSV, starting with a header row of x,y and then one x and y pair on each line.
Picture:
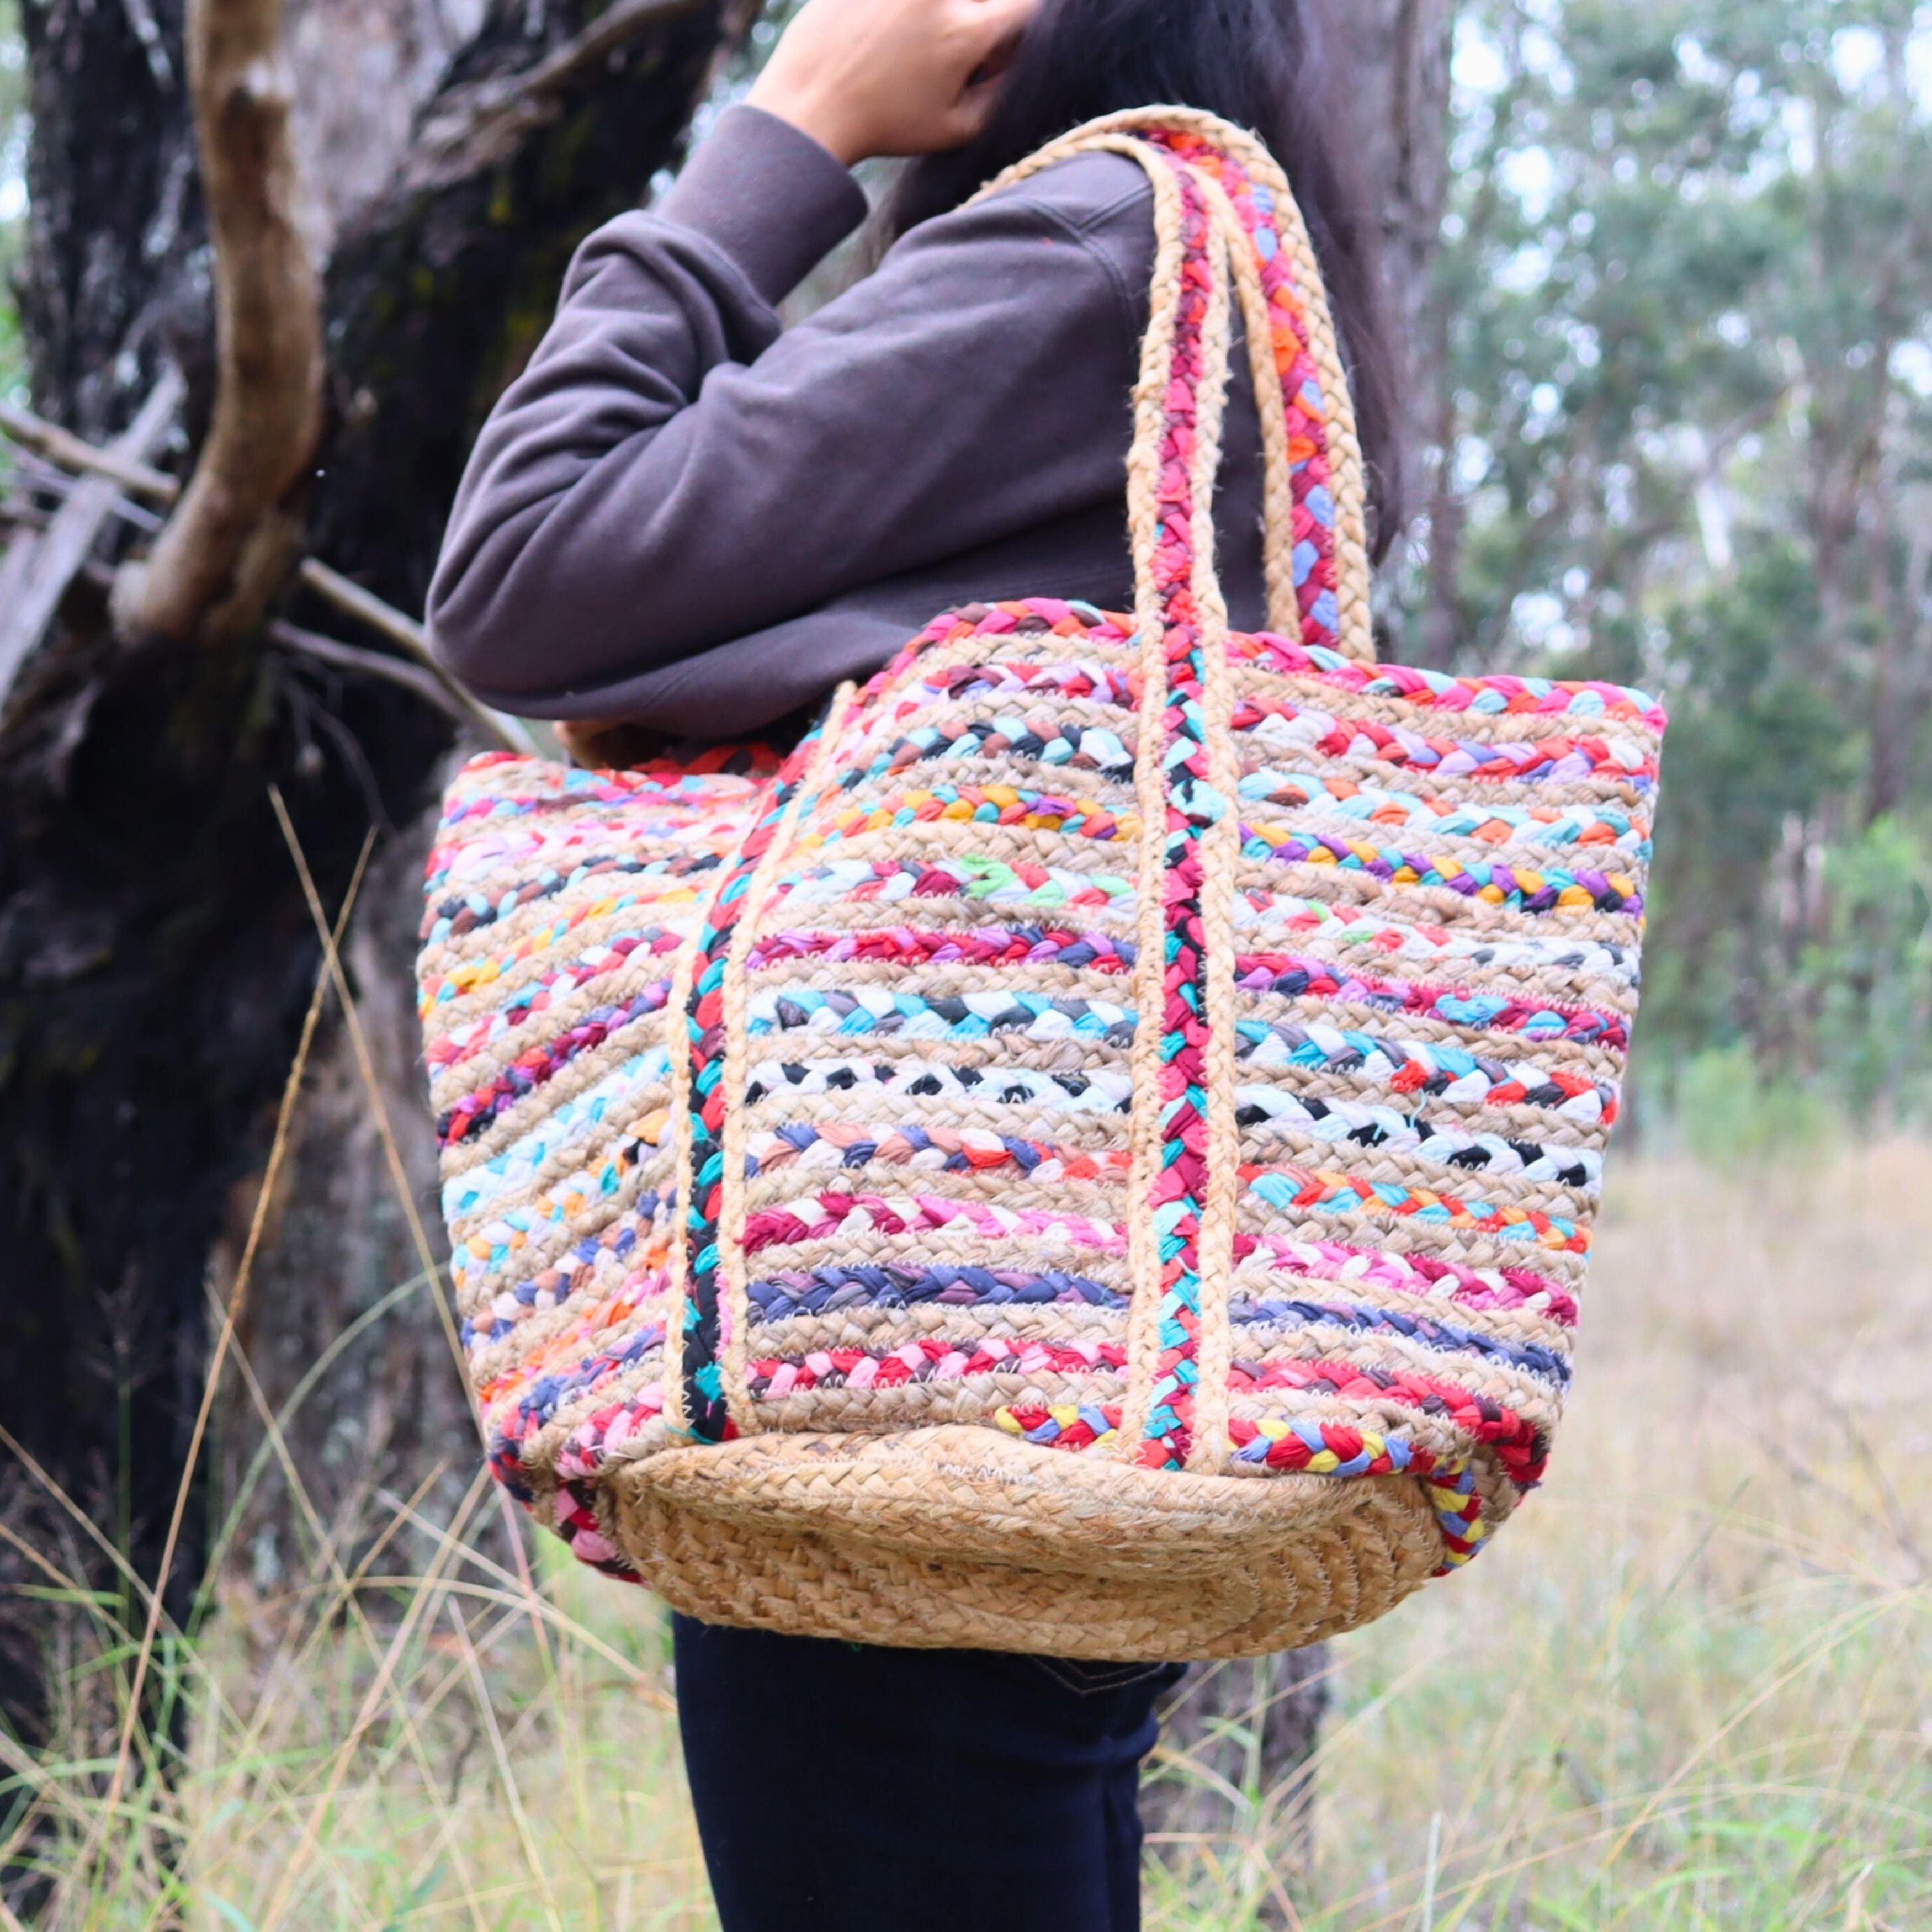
x,y
1181,1185
981,946
1519,1444
1620,704
1363,737
1307,432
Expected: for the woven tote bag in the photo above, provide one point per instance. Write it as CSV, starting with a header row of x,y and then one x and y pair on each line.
x,y
1096,1155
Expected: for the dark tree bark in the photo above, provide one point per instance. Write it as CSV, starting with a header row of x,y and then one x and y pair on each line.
x,y
1402,49
156,954
341,1332
115,276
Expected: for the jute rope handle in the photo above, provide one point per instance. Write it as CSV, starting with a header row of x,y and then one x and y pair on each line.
x,y
1128,133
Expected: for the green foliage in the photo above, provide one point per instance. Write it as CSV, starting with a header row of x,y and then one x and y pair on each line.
x,y
1740,1120
1754,749
1867,976
12,189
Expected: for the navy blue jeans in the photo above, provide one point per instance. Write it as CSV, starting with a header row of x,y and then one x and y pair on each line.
x,y
841,1788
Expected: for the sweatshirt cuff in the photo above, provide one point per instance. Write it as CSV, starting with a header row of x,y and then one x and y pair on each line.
x,y
769,195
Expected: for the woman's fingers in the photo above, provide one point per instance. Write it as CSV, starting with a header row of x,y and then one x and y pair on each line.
x,y
998,25
598,744
992,31
867,77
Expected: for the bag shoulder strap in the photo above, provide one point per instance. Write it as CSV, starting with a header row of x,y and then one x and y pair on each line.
x,y
1316,564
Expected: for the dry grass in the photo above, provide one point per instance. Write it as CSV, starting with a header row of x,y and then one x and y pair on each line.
x,y
1686,1689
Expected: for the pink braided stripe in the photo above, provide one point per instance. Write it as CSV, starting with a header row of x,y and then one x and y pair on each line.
x,y
1181,1189
1314,528
820,1216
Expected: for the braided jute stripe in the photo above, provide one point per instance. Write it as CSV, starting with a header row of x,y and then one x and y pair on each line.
x,y
1096,1153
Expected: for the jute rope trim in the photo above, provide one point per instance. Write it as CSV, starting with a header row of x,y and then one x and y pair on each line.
x,y
733,1314
705,1167
1208,145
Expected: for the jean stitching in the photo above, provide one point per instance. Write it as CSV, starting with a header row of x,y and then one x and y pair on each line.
x,y
1061,1669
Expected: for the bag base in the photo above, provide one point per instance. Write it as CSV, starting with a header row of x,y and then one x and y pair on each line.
x,y
954,1537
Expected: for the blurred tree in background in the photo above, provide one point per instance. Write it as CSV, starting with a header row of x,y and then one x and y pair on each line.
x,y
1684,305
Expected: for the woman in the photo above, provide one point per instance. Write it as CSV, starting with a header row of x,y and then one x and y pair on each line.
x,y
680,518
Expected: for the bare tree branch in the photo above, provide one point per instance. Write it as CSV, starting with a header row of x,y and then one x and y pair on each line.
x,y
38,569
353,659
347,595
70,452
485,122
267,408
32,476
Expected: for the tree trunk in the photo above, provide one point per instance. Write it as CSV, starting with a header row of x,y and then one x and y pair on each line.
x,y
156,952
1402,50
341,1333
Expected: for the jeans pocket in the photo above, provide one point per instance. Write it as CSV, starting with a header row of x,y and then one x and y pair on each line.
x,y
1093,1680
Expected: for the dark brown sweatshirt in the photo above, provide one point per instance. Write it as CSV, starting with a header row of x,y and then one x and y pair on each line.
x,y
679,514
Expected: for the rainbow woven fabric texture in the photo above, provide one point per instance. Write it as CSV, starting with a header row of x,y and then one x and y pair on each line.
x,y
1438,899
1189,1051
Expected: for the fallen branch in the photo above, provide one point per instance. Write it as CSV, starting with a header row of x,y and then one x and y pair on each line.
x,y
510,733
16,513
63,447
106,472
36,476
353,659
201,576
37,571
475,125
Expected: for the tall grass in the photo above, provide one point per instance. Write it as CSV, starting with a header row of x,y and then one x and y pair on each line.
x,y
1687,1688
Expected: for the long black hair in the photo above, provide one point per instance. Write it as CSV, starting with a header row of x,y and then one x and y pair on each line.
x,y
1267,65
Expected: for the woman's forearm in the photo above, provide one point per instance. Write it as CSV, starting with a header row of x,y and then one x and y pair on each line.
x,y
651,305
670,474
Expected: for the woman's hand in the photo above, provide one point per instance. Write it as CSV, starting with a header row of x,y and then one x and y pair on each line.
x,y
866,77
604,745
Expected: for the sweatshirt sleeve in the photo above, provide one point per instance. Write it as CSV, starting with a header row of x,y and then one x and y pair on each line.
x,y
671,471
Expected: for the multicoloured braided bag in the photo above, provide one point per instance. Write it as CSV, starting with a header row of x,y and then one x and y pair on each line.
x,y
1096,1155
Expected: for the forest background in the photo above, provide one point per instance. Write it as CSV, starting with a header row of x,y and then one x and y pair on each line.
x,y
1664,268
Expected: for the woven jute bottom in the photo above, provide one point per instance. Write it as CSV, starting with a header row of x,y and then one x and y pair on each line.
x,y
956,1538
